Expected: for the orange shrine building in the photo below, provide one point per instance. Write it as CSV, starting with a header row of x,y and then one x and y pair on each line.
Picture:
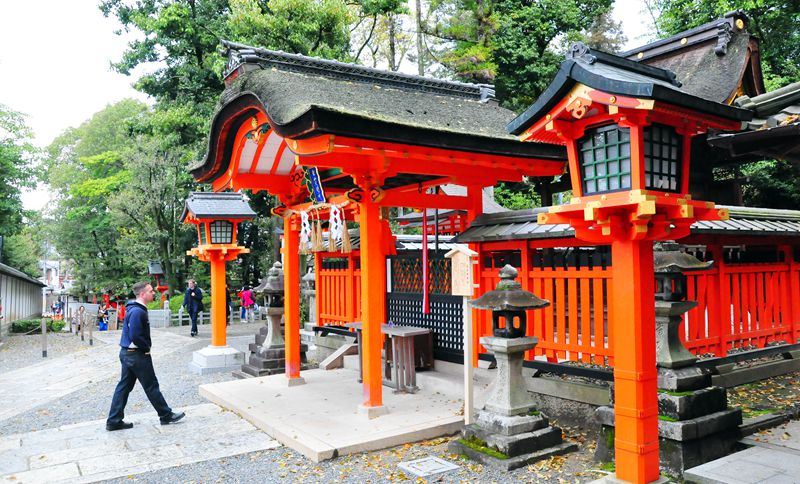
x,y
339,143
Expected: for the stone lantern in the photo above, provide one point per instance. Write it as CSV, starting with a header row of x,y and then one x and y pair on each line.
x,y
268,352
669,265
509,302
508,422
308,289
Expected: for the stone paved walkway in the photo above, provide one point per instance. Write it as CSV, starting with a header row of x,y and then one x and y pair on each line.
x,y
86,452
31,386
773,459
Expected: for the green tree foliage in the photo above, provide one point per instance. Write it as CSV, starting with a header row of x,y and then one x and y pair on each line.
x,y
16,171
526,62
516,196
514,44
316,28
774,22
772,183
21,252
85,167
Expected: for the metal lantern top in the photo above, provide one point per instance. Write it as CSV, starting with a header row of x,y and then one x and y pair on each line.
x,y
154,268
508,295
668,258
274,283
210,206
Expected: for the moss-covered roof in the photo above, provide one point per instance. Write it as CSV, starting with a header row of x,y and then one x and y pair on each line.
x,y
304,96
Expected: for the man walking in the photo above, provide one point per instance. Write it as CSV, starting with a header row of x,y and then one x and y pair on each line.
x,y
193,302
137,363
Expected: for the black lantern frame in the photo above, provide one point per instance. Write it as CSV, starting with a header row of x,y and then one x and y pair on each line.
x,y
604,154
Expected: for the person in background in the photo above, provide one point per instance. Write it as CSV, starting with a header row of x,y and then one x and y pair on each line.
x,y
193,302
227,305
137,364
247,303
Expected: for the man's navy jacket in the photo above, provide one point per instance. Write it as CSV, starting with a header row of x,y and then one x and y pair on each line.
x,y
193,304
135,327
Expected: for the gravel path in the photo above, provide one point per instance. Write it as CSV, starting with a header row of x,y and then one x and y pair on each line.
x,y
180,388
23,350
285,465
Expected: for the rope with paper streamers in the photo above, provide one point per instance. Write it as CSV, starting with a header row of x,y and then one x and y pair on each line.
x,y
311,232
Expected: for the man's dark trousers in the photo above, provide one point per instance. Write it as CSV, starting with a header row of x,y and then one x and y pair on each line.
x,y
136,365
193,318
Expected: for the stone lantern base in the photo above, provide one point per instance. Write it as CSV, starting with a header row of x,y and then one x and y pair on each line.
x,y
268,352
509,432
213,359
695,425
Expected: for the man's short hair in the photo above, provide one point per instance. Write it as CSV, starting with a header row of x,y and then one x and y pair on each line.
x,y
190,281
139,287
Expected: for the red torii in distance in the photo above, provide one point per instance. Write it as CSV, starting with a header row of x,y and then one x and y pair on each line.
x,y
378,139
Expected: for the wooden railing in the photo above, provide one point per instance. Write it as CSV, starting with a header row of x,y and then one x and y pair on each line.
x,y
338,288
740,305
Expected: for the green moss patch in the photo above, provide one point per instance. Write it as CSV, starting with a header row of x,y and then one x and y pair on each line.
x,y
667,419
479,445
608,467
677,394
534,413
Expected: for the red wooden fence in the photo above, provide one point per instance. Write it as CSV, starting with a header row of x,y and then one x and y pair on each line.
x,y
338,288
739,305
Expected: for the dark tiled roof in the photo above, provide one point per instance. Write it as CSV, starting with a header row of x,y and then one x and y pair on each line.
x,y
305,96
223,205
774,132
617,75
710,60
521,225
10,271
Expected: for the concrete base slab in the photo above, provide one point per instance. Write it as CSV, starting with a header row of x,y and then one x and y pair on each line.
x,y
213,359
612,479
372,412
321,419
294,382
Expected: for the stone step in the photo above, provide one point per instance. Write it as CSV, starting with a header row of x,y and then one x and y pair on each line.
x,y
262,364
516,445
513,462
504,425
689,405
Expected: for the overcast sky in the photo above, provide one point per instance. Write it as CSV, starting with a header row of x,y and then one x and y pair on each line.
x,y
55,56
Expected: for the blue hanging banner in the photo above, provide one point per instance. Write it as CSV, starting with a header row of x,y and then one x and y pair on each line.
x,y
316,185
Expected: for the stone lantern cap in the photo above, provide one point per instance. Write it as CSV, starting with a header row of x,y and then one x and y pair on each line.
x,y
508,295
668,258
274,283
309,279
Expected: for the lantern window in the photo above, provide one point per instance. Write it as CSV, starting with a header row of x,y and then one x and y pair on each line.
x,y
221,232
662,158
605,159
201,233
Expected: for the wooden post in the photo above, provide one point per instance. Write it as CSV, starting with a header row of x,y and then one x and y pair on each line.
x,y
373,306
44,338
469,349
793,306
635,378
291,278
724,298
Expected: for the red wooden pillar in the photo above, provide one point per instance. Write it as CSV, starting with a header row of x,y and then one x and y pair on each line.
x,y
793,308
635,378
291,281
218,319
373,306
723,316
475,203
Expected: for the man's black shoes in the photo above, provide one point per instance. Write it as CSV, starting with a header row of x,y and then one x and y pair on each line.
x,y
172,418
193,334
119,426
